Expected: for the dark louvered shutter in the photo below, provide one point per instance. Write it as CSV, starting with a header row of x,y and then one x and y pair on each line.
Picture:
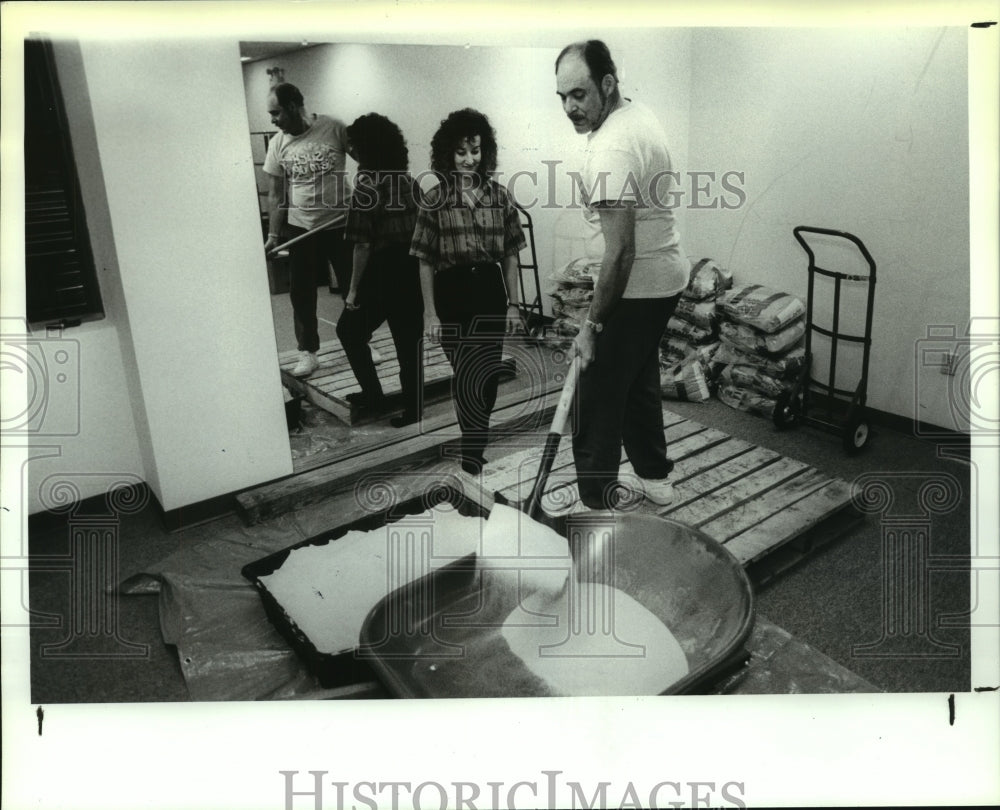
x,y
61,282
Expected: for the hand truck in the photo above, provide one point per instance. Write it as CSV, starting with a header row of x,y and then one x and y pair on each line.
x,y
843,411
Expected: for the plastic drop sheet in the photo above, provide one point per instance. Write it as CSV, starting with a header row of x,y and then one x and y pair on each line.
x,y
229,650
780,664
226,646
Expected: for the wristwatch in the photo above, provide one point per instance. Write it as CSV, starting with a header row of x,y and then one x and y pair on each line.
x,y
594,326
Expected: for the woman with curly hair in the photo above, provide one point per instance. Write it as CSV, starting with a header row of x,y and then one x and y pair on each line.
x,y
385,282
468,237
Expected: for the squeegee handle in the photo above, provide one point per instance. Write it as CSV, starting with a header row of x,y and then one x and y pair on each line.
x,y
296,239
566,397
534,502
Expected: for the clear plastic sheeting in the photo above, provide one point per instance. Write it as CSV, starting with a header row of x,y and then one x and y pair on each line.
x,y
226,647
322,432
229,650
780,664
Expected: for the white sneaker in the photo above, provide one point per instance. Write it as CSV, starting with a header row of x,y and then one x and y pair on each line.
x,y
376,355
308,363
659,492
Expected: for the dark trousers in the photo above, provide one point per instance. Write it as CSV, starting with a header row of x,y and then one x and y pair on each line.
x,y
390,291
619,401
308,264
472,307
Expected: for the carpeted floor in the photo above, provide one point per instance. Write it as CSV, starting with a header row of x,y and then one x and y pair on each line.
x,y
832,600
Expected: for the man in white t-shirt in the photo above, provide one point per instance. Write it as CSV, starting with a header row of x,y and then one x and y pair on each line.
x,y
309,189
626,184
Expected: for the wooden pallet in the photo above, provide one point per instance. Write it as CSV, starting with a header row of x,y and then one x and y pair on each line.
x,y
749,498
412,450
328,386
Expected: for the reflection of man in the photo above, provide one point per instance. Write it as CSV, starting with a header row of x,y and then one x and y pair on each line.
x,y
643,271
305,161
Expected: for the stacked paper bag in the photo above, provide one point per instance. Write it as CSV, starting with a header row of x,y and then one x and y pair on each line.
x,y
761,350
692,334
571,296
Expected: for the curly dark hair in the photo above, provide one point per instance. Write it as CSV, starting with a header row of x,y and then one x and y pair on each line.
x,y
379,144
457,127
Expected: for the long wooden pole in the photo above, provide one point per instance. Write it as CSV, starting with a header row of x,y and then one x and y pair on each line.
x,y
299,238
534,501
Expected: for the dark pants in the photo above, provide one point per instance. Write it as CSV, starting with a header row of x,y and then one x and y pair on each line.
x,y
308,265
390,291
472,307
619,401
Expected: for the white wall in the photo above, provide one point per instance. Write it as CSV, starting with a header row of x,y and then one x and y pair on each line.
x,y
862,131
418,85
193,318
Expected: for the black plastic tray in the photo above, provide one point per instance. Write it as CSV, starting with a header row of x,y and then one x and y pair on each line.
x,y
344,667
421,642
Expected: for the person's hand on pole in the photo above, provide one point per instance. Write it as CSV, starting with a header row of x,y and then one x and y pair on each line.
x,y
584,347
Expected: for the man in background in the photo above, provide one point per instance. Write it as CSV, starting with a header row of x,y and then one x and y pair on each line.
x,y
308,190
627,179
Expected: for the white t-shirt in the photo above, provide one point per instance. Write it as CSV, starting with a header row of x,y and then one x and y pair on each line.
x,y
314,164
627,159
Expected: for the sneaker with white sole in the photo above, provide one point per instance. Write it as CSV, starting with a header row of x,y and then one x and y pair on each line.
x,y
308,363
659,492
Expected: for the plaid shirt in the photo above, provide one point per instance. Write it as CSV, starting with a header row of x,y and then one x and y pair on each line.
x,y
383,209
450,233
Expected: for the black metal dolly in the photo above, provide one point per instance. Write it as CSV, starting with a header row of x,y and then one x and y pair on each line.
x,y
531,312
843,410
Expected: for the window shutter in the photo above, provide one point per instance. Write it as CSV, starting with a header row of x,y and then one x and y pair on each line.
x,y
61,281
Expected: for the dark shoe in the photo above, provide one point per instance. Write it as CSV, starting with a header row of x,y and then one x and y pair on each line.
x,y
361,401
404,419
473,466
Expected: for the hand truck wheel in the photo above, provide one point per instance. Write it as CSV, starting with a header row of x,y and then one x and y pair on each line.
x,y
856,434
787,410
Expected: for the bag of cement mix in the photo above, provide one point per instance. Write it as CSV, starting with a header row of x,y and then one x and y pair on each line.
x,y
685,381
704,314
755,378
689,332
761,307
708,280
573,312
673,351
573,296
753,340
562,330
783,366
582,272
745,399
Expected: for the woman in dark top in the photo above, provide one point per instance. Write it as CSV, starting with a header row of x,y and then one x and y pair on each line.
x,y
385,279
467,237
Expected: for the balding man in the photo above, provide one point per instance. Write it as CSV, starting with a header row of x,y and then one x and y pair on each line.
x,y
306,163
626,184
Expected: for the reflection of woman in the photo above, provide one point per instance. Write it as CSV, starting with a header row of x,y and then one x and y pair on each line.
x,y
468,237
385,280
